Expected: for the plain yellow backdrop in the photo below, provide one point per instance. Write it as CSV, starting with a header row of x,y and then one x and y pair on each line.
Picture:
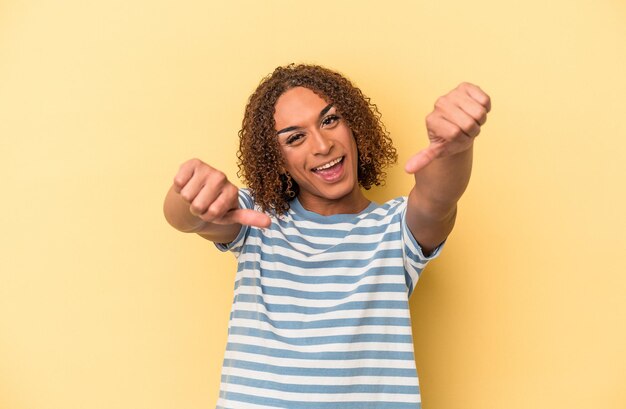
x,y
103,305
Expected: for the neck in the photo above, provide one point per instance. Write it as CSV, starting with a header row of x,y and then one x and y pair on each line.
x,y
353,203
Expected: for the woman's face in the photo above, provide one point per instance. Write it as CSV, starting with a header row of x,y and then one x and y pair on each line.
x,y
318,149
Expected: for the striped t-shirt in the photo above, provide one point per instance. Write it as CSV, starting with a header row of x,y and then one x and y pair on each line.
x,y
320,316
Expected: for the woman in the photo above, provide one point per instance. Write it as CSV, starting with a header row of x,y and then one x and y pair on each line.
x,y
320,316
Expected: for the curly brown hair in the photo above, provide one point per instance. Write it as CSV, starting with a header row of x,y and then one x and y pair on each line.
x,y
259,158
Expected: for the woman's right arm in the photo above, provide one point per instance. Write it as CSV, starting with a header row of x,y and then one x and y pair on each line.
x,y
202,200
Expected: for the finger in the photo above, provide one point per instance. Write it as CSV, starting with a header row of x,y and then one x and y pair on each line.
x,y
478,95
474,109
209,188
423,158
465,123
185,172
441,129
192,187
226,200
246,217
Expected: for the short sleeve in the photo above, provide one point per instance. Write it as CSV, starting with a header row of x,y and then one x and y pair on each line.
x,y
413,256
245,202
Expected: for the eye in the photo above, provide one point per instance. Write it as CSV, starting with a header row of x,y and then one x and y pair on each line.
x,y
293,138
330,120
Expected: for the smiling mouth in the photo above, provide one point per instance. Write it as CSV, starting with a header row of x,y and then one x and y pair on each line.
x,y
328,165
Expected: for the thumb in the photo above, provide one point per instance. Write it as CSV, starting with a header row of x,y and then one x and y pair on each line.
x,y
247,217
423,158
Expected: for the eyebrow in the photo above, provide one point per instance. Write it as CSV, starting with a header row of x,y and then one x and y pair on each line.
x,y
293,128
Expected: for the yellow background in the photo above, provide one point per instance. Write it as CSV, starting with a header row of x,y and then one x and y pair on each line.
x,y
103,305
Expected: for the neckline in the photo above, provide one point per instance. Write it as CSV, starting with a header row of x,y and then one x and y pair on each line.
x,y
298,209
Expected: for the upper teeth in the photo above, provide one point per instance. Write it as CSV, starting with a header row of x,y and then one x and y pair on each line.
x,y
329,164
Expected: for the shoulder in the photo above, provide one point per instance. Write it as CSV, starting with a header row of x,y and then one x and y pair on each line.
x,y
246,200
392,207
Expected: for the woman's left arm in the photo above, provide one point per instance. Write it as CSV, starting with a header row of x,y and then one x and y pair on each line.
x,y
442,170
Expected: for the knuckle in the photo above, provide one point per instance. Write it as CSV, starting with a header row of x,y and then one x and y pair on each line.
x,y
232,189
215,183
212,212
186,195
232,192
469,127
195,209
189,164
466,86
198,207
215,211
451,134
430,117
482,112
220,177
441,102
194,161
179,182
199,167
482,118
435,122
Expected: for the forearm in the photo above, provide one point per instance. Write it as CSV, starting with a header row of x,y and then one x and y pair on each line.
x,y
440,185
432,204
442,170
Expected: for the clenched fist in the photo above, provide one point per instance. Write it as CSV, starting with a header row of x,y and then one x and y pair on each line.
x,y
453,124
212,197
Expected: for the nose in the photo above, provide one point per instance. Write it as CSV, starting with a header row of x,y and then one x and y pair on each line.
x,y
321,144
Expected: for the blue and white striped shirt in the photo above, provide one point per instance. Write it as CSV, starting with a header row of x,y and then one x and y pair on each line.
x,y
320,316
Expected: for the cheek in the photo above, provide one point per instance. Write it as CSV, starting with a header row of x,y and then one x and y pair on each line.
x,y
289,161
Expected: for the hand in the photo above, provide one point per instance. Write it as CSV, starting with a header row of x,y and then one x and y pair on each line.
x,y
453,124
212,198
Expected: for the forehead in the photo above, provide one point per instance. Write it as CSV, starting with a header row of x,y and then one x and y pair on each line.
x,y
296,106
